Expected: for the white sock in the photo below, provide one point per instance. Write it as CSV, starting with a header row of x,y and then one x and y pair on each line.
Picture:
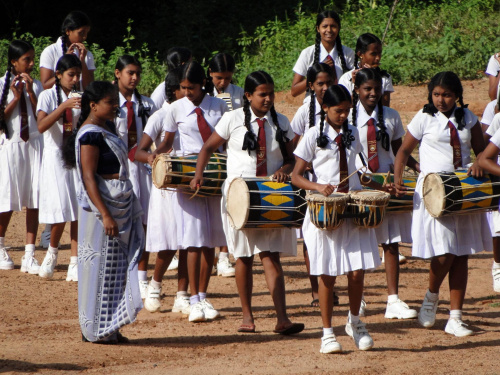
x,y
433,297
353,319
73,260
223,256
29,249
193,300
456,314
155,284
53,250
2,242
202,295
392,298
327,331
143,275
495,264
182,293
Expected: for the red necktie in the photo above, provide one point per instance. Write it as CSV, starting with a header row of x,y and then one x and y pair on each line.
x,y
371,138
202,125
455,144
344,188
25,130
328,57
67,123
261,149
132,131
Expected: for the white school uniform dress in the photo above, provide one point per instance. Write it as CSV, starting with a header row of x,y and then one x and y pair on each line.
x,y
58,202
198,219
349,247
140,175
489,113
494,216
159,96
248,242
452,234
396,227
19,160
493,66
346,81
237,94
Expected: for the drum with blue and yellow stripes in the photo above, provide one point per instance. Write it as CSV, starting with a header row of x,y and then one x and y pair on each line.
x,y
262,203
396,204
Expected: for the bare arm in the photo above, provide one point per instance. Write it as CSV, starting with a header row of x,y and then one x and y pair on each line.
x,y
412,163
165,145
45,121
142,154
209,147
488,159
386,99
404,152
47,77
478,145
300,181
299,85
493,86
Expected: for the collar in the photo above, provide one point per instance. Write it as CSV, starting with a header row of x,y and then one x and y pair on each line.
x,y
363,116
123,100
323,52
253,117
229,90
190,107
443,120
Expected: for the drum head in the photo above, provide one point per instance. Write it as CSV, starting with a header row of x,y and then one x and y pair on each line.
x,y
238,203
161,168
434,194
374,197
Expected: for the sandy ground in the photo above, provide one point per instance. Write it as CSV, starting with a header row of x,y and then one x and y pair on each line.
x,y
39,331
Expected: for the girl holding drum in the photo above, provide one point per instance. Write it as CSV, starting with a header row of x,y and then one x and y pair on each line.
x,y
258,144
446,133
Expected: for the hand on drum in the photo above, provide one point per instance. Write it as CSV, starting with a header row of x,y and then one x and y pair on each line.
x,y
400,190
280,176
196,183
326,190
151,159
390,188
475,170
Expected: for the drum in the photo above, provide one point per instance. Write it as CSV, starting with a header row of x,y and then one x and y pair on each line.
x,y
227,98
396,204
262,203
326,212
369,207
456,193
177,172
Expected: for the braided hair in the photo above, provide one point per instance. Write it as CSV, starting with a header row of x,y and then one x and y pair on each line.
x,y
365,75
177,56
450,81
172,84
338,43
66,62
17,48
252,81
362,44
74,20
94,92
312,73
335,95
221,62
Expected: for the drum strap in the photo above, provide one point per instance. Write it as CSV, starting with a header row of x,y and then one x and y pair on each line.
x,y
455,144
131,131
202,125
25,131
344,188
371,138
67,123
261,149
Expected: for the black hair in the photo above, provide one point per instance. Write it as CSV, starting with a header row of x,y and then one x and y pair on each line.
x,y
94,92
74,20
450,81
362,44
338,43
193,72
172,84
177,56
311,75
253,80
67,61
17,48
221,62
362,76
121,63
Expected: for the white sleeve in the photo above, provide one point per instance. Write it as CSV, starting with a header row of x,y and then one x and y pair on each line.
x,y
154,126
158,96
489,113
496,139
299,122
223,127
47,59
307,146
345,81
89,60
37,87
302,63
388,87
349,57
493,67
170,125
416,126
495,125
399,131
45,103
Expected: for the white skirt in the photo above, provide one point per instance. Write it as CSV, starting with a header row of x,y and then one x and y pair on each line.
x,y
58,203
453,234
396,227
162,227
337,252
19,173
493,218
141,183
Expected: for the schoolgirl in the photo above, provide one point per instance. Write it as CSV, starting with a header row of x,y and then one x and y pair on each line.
x,y
57,113
492,70
332,147
368,55
219,77
198,222
328,49
380,135
258,144
74,31
446,133
20,150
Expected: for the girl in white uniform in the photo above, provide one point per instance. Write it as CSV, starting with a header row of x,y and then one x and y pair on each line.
x,y
385,126
368,55
74,31
256,127
492,71
327,48
332,147
135,110
20,150
58,112
446,133
198,221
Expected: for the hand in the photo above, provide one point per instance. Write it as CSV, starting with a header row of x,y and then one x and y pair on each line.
x,y
28,81
326,190
475,170
17,86
390,188
400,189
81,50
280,176
354,72
72,103
195,183
110,226
151,159
329,62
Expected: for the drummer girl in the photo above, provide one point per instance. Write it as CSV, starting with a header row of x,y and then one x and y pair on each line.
x,y
332,147
446,133
380,135
198,220
256,127
220,74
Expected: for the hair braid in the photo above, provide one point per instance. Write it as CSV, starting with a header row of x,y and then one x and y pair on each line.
x,y
340,52
316,47
322,140
64,38
460,113
355,99
382,135
58,92
3,101
312,110
250,140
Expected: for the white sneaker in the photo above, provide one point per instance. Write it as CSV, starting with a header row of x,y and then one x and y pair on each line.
x,y
329,344
6,262
143,287
225,268
45,239
181,304
360,334
496,279
402,258
72,272
208,309
458,328
152,301
427,313
48,265
174,264
197,313
362,308
399,310
29,264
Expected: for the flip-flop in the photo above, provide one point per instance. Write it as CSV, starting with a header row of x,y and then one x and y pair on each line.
x,y
291,329
247,328
315,303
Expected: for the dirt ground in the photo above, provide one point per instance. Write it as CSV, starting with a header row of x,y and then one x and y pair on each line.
x,y
39,331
